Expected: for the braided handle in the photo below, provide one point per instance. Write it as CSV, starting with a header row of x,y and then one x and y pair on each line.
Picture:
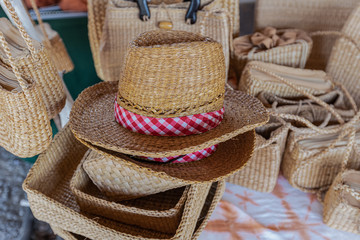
x,y
21,28
349,190
5,45
41,23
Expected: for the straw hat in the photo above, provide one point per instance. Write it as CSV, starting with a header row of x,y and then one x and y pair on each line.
x,y
168,74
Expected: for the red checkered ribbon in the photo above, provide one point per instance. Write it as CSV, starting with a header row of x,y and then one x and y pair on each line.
x,y
177,126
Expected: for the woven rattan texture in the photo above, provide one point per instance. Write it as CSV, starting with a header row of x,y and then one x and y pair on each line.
x,y
54,203
59,54
120,182
262,170
122,25
94,106
160,212
338,213
309,15
344,62
172,74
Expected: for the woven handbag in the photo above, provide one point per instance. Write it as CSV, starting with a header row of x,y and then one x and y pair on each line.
x,y
122,24
24,123
53,43
112,178
160,212
309,15
292,55
342,202
55,203
32,59
262,170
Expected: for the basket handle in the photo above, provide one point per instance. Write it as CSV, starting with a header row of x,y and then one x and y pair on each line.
x,y
23,84
349,190
21,28
41,23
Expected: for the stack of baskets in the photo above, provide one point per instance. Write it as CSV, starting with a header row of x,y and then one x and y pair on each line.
x,y
134,177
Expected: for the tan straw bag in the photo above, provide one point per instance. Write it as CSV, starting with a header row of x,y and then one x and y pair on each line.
x,y
122,24
160,212
342,202
33,61
55,203
262,170
54,44
293,55
24,123
309,15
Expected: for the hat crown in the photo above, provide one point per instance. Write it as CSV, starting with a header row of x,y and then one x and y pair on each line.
x,y
172,74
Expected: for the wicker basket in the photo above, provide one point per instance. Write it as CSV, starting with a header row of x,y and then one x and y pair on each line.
x,y
35,63
262,170
344,62
309,15
292,55
160,212
55,203
24,123
53,43
342,202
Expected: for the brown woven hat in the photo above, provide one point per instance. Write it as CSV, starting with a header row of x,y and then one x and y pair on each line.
x,y
166,74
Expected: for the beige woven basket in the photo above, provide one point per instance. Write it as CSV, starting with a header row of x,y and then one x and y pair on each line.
x,y
342,202
121,182
24,123
309,15
55,203
254,81
344,62
160,212
292,55
54,44
34,63
97,13
262,170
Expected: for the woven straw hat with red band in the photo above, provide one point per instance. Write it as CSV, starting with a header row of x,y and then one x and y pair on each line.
x,y
170,79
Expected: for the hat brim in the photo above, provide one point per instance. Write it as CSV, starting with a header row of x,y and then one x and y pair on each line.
x,y
92,119
229,158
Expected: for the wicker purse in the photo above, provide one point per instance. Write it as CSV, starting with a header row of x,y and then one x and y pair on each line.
x,y
24,123
33,61
262,170
309,15
55,203
122,24
342,202
53,43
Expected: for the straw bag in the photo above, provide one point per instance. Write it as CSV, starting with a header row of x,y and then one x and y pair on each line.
x,y
309,15
32,59
55,203
24,123
262,170
122,25
160,212
292,54
342,202
344,62
53,43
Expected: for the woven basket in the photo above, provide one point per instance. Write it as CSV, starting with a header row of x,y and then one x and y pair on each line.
x,y
55,203
342,202
160,212
309,15
121,182
67,235
253,81
122,25
35,63
24,123
344,62
262,170
53,43
292,55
